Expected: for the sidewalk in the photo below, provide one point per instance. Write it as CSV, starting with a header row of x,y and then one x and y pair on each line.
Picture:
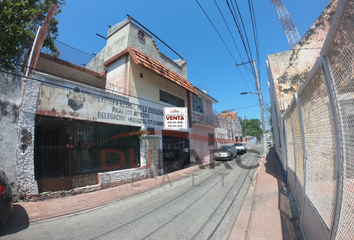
x,y
24,213
266,212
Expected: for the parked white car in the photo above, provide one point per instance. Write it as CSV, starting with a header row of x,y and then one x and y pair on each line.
x,y
241,147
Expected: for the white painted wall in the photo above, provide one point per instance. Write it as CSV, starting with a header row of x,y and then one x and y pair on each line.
x,y
10,99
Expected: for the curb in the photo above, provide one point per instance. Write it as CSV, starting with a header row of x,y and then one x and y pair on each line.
x,y
24,213
36,211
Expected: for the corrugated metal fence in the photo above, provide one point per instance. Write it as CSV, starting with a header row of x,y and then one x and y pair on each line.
x,y
319,135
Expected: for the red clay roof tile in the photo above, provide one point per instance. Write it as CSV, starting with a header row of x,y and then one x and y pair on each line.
x,y
161,70
145,61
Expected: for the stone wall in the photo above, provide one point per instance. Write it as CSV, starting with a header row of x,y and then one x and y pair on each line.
x,y
10,100
148,143
154,143
25,152
289,69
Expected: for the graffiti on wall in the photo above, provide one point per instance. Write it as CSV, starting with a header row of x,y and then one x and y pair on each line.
x,y
222,138
174,149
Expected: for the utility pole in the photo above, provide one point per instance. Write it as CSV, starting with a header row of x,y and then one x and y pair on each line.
x,y
260,102
262,112
245,127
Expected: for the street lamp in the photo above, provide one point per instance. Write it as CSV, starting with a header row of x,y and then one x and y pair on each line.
x,y
263,122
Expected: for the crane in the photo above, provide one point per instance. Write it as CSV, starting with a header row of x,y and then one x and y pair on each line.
x,y
290,30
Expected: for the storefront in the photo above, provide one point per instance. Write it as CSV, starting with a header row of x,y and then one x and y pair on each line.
x,y
69,153
85,136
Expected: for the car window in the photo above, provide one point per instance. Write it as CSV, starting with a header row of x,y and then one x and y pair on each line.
x,y
239,144
225,147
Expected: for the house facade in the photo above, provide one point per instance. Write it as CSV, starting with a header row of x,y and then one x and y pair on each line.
x,y
203,125
103,123
229,128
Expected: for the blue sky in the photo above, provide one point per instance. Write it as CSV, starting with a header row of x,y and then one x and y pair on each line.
x,y
184,27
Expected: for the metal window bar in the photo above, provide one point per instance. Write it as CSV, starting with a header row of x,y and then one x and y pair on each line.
x,y
197,118
66,147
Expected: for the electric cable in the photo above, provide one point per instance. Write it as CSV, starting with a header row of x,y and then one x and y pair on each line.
x,y
216,30
255,35
245,33
231,37
241,35
228,29
239,29
222,41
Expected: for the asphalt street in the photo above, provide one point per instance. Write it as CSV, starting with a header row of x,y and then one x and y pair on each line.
x,y
202,206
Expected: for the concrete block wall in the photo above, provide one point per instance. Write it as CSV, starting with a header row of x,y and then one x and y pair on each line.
x,y
154,143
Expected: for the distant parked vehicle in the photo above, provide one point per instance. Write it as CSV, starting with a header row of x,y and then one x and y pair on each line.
x,y
241,147
6,199
226,152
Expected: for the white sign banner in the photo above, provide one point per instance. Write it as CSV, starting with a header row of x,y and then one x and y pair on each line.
x,y
175,118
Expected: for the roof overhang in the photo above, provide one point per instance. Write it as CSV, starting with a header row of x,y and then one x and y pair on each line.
x,y
147,62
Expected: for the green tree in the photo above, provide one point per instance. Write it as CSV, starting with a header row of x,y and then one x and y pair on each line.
x,y
19,21
251,127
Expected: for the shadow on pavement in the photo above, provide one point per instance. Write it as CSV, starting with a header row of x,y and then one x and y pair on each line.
x,y
288,222
18,221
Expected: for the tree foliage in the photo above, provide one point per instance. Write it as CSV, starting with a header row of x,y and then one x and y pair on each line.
x,y
19,21
251,127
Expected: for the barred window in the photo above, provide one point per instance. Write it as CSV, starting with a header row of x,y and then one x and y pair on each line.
x,y
86,144
211,139
169,98
197,104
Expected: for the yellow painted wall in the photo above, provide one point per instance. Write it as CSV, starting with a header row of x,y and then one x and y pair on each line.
x,y
151,84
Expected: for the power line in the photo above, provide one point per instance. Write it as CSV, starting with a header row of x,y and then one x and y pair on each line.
x,y
222,15
92,93
154,35
75,88
246,107
245,33
232,101
244,29
228,29
255,34
238,28
246,81
237,23
222,41
216,30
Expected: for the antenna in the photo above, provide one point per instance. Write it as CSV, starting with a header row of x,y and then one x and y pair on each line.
x,y
290,30
202,87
